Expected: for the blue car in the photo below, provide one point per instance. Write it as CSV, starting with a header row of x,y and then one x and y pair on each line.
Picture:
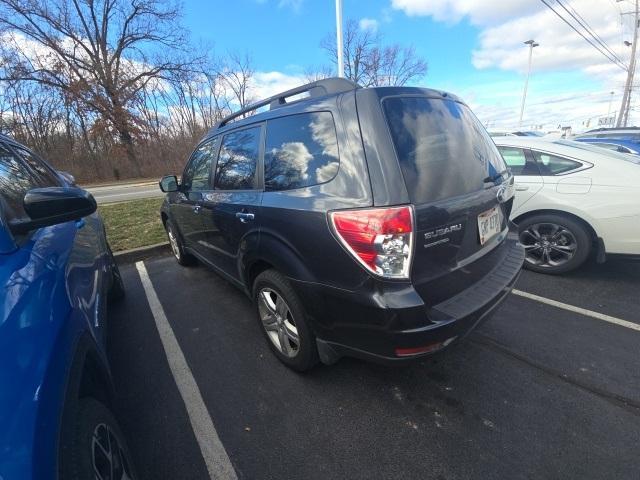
x,y
622,145
56,275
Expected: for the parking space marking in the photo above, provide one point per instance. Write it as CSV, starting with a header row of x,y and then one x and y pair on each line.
x,y
214,454
582,311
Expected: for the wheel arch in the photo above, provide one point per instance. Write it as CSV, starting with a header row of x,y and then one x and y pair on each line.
x,y
89,377
274,252
592,231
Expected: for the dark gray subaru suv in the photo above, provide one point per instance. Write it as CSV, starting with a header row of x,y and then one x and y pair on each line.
x,y
370,222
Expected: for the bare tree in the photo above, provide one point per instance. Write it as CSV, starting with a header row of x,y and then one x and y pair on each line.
x,y
238,73
313,74
369,63
100,53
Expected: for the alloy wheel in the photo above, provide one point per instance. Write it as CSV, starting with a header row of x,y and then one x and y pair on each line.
x,y
548,244
278,322
108,457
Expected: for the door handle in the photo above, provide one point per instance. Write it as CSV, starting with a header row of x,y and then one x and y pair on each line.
x,y
522,188
196,208
245,217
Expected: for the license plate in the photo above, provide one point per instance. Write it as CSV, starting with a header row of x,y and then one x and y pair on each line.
x,y
489,224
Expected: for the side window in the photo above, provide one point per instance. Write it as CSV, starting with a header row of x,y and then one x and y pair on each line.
x,y
236,169
517,160
300,151
46,176
196,176
554,165
15,181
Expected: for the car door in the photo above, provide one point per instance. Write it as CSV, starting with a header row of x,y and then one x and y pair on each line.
x,y
527,175
230,209
186,207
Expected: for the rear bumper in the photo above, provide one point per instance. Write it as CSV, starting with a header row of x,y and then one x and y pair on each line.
x,y
377,320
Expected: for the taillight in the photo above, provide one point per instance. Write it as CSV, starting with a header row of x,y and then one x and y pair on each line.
x,y
379,238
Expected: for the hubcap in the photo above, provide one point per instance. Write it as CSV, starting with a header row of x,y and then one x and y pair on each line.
x,y
278,322
108,458
548,244
173,241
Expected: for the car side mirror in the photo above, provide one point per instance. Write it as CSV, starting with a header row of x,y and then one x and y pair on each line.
x,y
169,183
54,205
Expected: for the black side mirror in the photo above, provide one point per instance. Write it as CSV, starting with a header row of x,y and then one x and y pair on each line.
x,y
169,183
54,205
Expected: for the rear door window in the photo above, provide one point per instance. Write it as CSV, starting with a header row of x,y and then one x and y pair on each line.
x,y
553,164
443,149
301,151
238,160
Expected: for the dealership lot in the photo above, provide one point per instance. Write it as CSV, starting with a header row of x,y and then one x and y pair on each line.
x,y
536,392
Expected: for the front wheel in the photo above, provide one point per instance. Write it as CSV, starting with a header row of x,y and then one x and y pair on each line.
x,y
284,321
98,447
177,247
554,243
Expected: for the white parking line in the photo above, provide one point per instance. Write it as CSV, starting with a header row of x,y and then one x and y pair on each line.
x,y
214,453
582,311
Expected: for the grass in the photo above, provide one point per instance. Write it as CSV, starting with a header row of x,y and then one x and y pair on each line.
x,y
133,224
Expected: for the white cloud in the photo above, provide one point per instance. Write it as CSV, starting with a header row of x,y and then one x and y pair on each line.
x,y
479,12
369,24
504,26
293,4
266,84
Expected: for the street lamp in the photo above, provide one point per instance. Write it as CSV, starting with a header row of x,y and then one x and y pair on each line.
x,y
532,44
339,43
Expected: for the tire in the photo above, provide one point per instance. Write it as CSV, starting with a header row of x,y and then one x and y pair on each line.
x,y
284,326
554,243
175,241
94,424
117,291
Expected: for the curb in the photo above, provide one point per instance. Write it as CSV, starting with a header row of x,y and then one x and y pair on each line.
x,y
141,253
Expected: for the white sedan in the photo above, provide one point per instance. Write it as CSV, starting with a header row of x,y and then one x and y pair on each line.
x,y
572,200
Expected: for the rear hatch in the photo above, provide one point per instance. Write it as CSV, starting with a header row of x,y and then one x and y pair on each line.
x,y
460,188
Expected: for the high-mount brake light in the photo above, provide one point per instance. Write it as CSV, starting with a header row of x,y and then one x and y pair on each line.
x,y
381,239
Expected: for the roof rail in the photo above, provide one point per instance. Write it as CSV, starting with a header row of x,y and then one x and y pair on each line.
x,y
318,88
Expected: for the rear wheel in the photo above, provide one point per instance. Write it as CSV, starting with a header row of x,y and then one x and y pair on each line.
x,y
177,247
554,243
284,321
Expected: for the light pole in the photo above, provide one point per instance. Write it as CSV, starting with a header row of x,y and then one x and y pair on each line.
x,y
623,113
339,41
532,44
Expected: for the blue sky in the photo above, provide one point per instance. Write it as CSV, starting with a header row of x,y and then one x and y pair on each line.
x,y
475,51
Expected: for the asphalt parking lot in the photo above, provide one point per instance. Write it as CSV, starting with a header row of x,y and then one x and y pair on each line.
x,y
537,392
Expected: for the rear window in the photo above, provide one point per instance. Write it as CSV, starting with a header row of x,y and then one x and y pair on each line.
x,y
301,150
443,149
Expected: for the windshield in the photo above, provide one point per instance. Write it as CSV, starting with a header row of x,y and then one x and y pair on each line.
x,y
627,157
443,149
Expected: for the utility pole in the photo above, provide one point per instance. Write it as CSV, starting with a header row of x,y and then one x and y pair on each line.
x,y
623,114
339,41
532,44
